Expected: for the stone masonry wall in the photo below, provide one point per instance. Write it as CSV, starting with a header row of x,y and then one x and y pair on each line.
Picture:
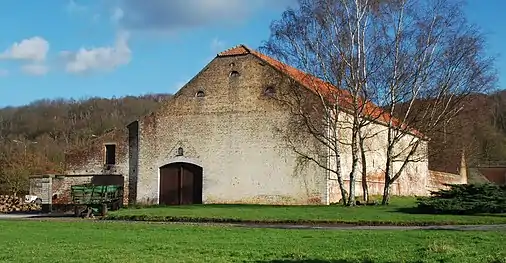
x,y
61,188
437,180
231,133
90,160
413,180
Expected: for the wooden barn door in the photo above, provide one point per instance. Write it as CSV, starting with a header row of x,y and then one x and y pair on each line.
x,y
169,185
180,184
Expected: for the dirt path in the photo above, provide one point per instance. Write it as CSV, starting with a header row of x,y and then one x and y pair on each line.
x,y
67,218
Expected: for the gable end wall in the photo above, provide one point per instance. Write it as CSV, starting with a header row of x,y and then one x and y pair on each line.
x,y
230,133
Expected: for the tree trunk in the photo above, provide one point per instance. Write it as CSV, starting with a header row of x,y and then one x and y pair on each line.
x,y
388,175
365,188
353,174
354,167
340,180
344,194
386,194
388,166
337,150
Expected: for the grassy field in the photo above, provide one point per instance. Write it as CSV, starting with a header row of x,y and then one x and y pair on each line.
x,y
48,241
399,212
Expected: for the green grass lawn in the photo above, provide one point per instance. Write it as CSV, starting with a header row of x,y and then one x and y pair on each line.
x,y
397,213
49,241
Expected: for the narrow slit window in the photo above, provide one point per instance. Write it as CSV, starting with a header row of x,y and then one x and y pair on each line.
x,y
110,154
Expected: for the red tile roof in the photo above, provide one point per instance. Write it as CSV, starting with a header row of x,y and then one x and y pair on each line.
x,y
319,86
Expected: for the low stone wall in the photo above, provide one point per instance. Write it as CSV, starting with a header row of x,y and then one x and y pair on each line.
x,y
437,180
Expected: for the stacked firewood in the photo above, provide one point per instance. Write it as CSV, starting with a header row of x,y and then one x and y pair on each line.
x,y
10,204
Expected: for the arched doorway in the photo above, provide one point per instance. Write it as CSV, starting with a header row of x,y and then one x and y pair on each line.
x,y
180,184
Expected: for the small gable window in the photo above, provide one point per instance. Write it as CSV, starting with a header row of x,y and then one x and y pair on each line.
x,y
269,91
180,151
200,94
234,74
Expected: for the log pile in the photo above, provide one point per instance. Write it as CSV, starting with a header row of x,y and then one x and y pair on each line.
x,y
10,204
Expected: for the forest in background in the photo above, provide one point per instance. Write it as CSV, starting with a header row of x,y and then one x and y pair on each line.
x,y
479,131
33,138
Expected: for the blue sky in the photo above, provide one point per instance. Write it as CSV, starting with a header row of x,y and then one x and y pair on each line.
x,y
81,48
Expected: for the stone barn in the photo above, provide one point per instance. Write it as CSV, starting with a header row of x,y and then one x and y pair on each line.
x,y
217,141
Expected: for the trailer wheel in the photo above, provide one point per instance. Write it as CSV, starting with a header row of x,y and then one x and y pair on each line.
x,y
89,212
104,209
115,205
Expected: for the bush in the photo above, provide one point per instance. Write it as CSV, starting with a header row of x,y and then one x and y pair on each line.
x,y
465,199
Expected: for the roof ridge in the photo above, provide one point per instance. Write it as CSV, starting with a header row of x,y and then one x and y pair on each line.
x,y
240,49
245,47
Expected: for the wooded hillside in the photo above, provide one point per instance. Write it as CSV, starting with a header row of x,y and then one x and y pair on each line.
x,y
34,137
479,130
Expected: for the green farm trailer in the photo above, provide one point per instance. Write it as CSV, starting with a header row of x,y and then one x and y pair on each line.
x,y
96,199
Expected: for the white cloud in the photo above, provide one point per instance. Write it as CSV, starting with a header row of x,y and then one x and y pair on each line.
x,y
4,73
33,49
35,69
99,58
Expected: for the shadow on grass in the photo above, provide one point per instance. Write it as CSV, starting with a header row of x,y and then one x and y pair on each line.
x,y
352,261
411,211
331,261
417,211
227,206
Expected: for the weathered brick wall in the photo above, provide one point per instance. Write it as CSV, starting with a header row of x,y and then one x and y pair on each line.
x,y
438,179
89,161
231,134
61,187
375,187
413,179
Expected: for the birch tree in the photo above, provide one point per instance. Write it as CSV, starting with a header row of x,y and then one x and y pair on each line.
x,y
329,39
432,55
394,53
